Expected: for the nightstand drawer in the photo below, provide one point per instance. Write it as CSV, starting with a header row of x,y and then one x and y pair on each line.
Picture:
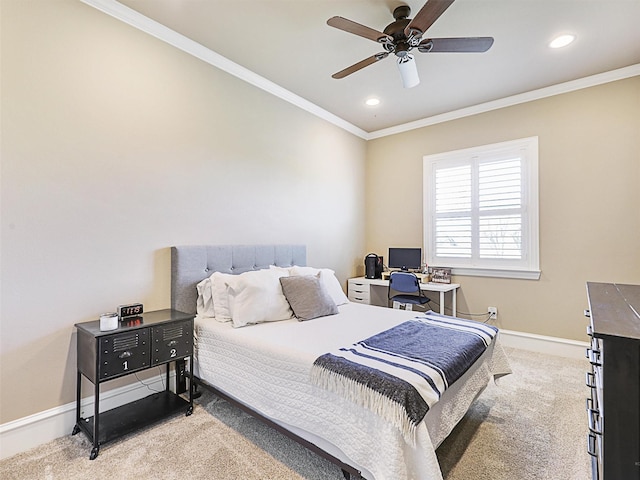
x,y
170,341
123,353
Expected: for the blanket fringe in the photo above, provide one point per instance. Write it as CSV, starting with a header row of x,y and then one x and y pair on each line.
x,y
366,397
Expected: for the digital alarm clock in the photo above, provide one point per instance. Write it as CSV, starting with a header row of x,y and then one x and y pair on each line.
x,y
131,310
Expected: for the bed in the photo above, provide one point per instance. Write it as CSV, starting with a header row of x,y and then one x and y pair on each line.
x,y
266,368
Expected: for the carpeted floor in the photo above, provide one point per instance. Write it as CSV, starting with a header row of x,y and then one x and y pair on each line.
x,y
531,426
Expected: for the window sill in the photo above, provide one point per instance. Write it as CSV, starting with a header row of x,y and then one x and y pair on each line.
x,y
497,273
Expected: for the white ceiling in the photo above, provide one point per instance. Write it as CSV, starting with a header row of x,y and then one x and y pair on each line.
x,y
289,43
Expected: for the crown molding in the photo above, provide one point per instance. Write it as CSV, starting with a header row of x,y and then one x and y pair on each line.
x,y
566,87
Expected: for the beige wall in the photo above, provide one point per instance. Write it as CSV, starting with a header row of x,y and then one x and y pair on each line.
x,y
589,174
116,146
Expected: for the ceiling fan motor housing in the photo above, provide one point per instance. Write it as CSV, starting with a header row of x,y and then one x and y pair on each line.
x,y
396,30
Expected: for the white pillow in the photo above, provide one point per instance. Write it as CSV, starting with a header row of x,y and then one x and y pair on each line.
x,y
200,301
256,297
328,279
204,305
219,296
285,270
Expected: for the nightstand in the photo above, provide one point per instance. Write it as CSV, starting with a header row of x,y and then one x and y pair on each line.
x,y
152,339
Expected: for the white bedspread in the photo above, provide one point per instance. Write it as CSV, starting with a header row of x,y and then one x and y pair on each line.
x,y
267,366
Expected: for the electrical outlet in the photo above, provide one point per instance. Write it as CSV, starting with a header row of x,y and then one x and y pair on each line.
x,y
493,313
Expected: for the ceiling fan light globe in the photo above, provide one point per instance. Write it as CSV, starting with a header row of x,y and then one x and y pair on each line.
x,y
408,71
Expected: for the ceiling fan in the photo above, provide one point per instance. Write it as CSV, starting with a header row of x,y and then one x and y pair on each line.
x,y
405,34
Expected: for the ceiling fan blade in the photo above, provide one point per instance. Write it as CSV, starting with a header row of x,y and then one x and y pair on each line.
x,y
465,44
357,29
360,65
427,15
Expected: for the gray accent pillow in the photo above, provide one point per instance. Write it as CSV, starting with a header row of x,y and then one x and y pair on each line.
x,y
308,297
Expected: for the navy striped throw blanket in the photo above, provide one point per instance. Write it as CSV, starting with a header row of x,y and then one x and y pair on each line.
x,y
401,372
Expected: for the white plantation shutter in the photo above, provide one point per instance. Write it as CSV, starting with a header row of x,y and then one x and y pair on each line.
x,y
453,211
481,209
500,209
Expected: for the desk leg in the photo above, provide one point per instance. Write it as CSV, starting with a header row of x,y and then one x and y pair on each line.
x,y
453,302
441,303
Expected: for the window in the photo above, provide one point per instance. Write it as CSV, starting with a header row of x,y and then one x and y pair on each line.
x,y
481,210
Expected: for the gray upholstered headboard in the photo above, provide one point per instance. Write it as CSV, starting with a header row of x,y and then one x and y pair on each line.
x,y
192,263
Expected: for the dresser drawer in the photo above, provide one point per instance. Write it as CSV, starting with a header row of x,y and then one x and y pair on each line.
x,y
170,341
123,353
358,292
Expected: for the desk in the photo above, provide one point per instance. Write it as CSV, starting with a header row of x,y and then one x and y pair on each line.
x,y
373,291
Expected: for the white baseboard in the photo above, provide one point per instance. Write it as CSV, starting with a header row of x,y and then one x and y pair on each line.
x,y
561,347
29,432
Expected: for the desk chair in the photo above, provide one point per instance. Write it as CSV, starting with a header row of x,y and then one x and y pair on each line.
x,y
408,286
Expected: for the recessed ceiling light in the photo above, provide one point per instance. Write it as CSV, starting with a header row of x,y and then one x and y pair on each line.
x,y
562,41
372,102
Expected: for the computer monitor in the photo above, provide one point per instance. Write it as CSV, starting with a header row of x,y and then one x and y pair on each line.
x,y
405,258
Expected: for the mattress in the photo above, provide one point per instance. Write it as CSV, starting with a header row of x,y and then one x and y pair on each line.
x,y
267,367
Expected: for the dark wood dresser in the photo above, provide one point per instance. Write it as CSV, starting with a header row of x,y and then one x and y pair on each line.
x,y
613,406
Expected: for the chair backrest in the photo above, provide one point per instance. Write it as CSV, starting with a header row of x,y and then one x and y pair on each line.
x,y
404,282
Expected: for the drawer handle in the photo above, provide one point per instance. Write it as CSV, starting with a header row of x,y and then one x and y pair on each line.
x,y
592,413
589,404
125,354
590,330
594,357
591,444
587,313
590,380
